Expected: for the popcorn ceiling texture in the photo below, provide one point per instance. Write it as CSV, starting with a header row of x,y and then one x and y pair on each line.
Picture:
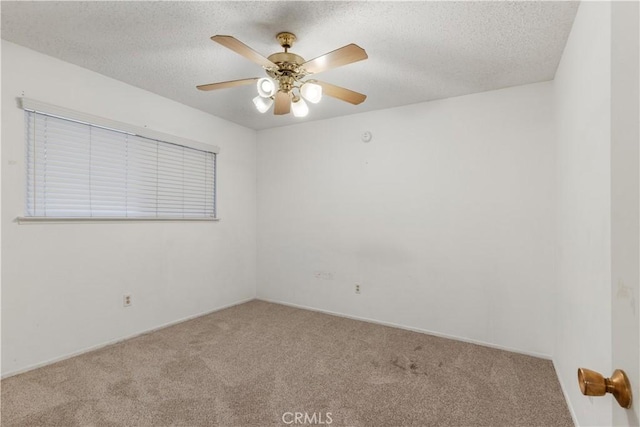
x,y
418,51
250,364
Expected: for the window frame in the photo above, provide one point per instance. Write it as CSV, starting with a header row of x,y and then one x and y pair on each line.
x,y
30,105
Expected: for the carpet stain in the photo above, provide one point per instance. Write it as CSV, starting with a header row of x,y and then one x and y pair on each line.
x,y
405,364
408,365
395,362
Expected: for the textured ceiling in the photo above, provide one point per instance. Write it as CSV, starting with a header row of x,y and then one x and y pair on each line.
x,y
418,51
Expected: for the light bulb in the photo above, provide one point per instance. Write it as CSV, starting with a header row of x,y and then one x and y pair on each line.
x,y
262,104
299,108
311,92
266,87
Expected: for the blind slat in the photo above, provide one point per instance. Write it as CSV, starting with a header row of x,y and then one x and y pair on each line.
x,y
76,169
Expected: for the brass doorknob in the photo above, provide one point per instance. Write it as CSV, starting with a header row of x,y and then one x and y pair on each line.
x,y
593,383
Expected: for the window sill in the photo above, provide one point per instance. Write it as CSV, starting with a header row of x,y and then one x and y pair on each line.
x,y
72,220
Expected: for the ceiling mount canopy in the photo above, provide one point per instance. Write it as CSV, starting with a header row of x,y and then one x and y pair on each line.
x,y
288,84
286,39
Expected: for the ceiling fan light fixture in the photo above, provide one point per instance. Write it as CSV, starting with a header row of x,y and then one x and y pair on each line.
x,y
262,104
299,108
285,87
266,87
311,92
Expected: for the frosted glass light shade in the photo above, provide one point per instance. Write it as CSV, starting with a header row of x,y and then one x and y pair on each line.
x,y
299,108
262,104
311,92
266,87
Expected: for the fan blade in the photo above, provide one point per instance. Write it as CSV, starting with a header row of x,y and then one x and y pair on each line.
x,y
242,49
231,83
341,93
283,103
339,57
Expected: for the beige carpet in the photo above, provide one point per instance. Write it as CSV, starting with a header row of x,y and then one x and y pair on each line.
x,y
253,364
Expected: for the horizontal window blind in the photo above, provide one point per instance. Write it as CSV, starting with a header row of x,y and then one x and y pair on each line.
x,y
81,170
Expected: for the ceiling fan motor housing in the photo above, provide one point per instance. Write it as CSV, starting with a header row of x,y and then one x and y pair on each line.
x,y
289,69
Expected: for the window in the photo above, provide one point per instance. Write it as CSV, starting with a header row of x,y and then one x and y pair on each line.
x,y
83,169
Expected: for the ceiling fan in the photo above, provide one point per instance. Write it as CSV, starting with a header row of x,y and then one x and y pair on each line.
x,y
287,85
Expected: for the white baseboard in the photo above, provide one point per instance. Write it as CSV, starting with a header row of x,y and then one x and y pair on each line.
x,y
410,328
304,307
117,340
566,395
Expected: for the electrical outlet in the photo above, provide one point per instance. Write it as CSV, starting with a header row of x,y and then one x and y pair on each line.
x,y
358,288
126,301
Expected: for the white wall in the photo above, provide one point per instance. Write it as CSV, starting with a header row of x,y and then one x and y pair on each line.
x,y
582,90
62,284
446,217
